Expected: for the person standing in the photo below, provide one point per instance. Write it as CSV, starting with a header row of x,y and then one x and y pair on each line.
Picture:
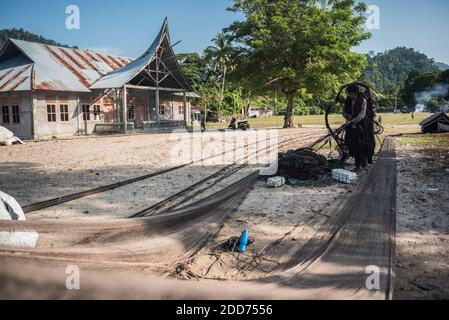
x,y
203,121
359,136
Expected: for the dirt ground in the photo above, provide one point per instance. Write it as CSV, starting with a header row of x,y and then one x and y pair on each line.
x,y
422,269
41,170
287,216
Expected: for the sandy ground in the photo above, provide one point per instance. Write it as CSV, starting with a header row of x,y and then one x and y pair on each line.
x,y
285,217
41,170
422,269
109,160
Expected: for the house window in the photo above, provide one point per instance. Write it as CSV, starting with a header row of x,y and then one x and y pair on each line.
x,y
97,112
5,113
86,112
180,109
15,114
162,110
64,112
51,113
131,113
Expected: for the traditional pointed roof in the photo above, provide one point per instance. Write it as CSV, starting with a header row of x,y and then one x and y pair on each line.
x,y
28,66
137,72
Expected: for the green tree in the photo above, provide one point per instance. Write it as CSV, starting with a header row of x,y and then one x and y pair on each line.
x,y
415,84
432,105
220,55
193,67
444,77
288,45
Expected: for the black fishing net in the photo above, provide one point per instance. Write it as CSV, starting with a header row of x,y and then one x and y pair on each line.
x,y
303,164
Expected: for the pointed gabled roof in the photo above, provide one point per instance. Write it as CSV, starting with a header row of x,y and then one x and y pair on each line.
x,y
439,116
53,67
135,70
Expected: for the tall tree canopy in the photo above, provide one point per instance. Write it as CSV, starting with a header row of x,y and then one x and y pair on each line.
x,y
220,56
289,45
194,67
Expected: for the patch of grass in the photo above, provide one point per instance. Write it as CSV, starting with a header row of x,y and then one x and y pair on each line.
x,y
427,141
335,119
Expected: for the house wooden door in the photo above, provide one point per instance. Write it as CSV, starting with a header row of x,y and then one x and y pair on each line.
x,y
139,112
140,115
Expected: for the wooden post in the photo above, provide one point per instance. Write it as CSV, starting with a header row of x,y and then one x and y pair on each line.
x,y
186,118
173,111
148,102
78,111
125,110
116,107
158,120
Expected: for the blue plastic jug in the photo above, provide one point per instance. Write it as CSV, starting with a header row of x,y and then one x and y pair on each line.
x,y
243,242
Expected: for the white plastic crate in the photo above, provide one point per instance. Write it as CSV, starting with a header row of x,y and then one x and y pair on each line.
x,y
276,182
344,176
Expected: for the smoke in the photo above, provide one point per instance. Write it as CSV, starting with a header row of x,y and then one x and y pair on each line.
x,y
420,108
438,91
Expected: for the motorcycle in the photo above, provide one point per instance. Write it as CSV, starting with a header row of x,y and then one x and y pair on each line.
x,y
242,125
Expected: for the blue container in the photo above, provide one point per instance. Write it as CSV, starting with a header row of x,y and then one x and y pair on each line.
x,y
243,242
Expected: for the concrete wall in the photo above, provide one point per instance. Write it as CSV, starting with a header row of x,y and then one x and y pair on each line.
x,y
178,102
171,104
42,127
34,122
23,129
76,124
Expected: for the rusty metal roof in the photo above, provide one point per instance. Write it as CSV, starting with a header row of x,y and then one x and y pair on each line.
x,y
28,65
15,75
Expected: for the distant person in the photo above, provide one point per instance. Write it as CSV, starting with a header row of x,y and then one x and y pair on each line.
x,y
379,119
413,115
233,124
359,138
203,121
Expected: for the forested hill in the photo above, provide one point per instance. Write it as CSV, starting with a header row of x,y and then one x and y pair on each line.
x,y
442,66
390,68
21,34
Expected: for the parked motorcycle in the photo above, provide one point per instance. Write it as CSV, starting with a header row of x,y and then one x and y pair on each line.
x,y
242,125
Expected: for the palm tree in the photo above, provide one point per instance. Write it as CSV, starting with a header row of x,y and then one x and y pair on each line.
x,y
220,55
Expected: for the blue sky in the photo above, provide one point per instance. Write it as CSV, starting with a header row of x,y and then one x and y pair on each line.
x,y
128,27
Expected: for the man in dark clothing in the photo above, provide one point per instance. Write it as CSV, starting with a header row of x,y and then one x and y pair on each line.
x,y
359,137
233,124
